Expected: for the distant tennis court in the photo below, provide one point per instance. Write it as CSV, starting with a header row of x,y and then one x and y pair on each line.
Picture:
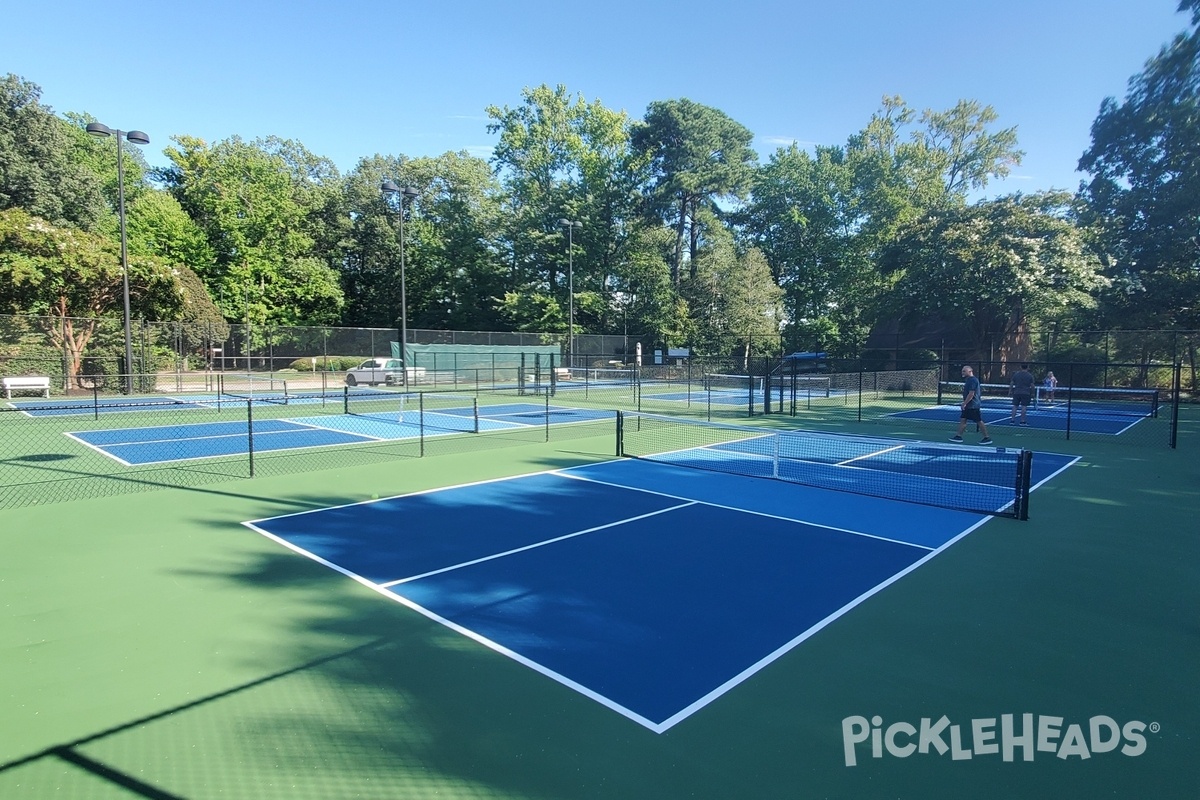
x,y
1102,411
374,417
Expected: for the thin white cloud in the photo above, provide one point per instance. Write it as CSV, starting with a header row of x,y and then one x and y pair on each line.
x,y
786,141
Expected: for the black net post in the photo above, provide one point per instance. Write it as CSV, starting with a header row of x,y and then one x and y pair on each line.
x,y
421,421
1024,475
345,399
250,433
1176,388
547,418
620,433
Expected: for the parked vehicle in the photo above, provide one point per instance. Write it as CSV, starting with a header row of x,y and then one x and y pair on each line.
x,y
374,371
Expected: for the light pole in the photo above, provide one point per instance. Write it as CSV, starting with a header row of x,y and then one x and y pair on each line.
x,y
409,193
137,137
571,226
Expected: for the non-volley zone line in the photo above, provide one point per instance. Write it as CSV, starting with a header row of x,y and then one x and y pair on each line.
x,y
650,588
167,444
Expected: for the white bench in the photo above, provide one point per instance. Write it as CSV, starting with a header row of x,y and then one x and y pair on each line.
x,y
28,383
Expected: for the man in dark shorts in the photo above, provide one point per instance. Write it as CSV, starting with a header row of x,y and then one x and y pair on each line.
x,y
1022,392
970,407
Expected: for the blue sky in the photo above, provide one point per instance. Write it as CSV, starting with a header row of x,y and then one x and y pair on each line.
x,y
354,78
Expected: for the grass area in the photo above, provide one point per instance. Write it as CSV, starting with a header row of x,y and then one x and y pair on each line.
x,y
155,647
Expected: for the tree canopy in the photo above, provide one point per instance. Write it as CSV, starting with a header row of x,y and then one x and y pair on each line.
x,y
678,233
1143,196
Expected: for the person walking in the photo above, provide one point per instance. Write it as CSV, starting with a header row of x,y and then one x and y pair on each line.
x,y
970,411
1051,383
1022,393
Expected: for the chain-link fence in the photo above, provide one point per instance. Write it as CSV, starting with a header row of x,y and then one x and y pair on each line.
x,y
62,347
89,446
1134,403
69,444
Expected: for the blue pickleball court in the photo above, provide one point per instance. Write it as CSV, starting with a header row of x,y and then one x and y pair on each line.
x,y
165,444
651,588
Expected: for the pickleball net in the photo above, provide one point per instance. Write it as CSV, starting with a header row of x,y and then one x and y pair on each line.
x,y
718,382
1076,400
982,480
433,411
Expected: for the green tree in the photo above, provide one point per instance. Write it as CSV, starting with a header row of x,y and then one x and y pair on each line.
x,y
537,158
533,311
454,275
41,167
805,217
993,265
644,296
260,206
825,220
696,154
156,225
734,298
71,279
561,156
1143,195
458,278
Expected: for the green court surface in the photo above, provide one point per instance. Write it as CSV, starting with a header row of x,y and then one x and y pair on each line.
x,y
152,646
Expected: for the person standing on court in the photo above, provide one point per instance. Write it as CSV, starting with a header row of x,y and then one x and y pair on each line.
x,y
1022,392
970,407
1051,384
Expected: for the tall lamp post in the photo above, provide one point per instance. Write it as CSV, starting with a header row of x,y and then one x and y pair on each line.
x,y
409,193
571,226
137,137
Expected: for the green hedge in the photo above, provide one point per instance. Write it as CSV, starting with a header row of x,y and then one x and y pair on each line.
x,y
326,363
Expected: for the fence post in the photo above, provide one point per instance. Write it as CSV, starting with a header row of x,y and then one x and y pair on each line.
x,y
860,389
250,433
1070,387
1176,388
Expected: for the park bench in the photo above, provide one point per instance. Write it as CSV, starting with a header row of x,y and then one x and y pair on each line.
x,y
34,383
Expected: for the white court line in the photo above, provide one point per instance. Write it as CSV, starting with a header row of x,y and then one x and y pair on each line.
x,y
657,727
751,511
870,455
361,438
756,667
920,479
535,545
467,632
99,450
